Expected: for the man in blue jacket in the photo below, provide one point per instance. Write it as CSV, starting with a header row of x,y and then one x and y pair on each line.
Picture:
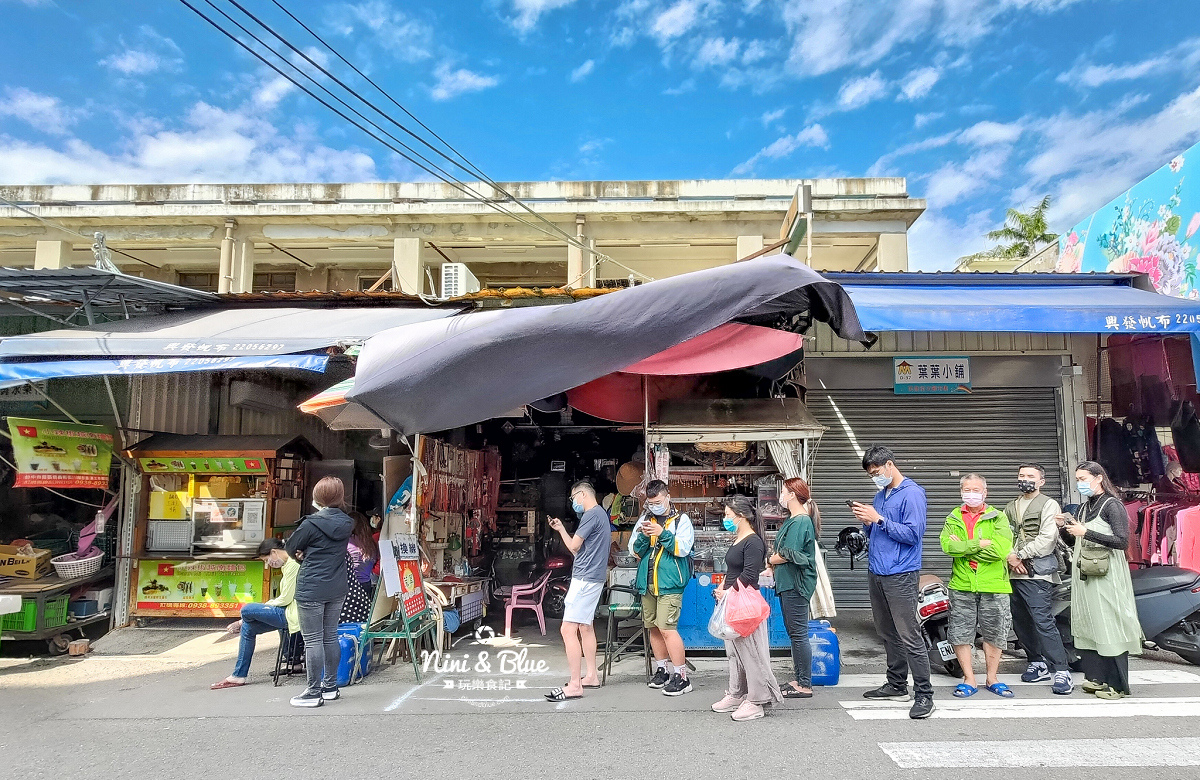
x,y
895,525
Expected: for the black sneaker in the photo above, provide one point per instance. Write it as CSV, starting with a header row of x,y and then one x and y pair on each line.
x,y
677,686
330,694
922,707
660,679
888,692
310,698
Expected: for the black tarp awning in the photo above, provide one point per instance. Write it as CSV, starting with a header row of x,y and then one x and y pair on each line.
x,y
433,376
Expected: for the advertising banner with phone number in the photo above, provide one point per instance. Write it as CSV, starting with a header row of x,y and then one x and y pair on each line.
x,y
216,588
60,455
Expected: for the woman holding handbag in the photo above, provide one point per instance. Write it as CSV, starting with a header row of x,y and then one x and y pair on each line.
x,y
752,684
794,564
1104,619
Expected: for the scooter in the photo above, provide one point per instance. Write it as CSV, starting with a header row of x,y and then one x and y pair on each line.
x,y
1168,605
933,616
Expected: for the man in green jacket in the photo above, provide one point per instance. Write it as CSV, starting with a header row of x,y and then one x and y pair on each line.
x,y
979,539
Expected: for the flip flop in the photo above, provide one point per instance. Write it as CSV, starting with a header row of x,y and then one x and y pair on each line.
x,y
558,694
225,684
792,692
1001,690
963,691
585,685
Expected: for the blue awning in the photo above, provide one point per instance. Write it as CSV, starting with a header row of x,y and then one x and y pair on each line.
x,y
18,373
1056,308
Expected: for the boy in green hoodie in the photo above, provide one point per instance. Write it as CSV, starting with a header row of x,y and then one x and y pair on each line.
x,y
978,537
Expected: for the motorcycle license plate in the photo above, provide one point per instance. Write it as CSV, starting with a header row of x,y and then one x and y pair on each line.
x,y
946,650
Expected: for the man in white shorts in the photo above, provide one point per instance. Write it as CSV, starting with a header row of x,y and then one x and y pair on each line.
x,y
590,545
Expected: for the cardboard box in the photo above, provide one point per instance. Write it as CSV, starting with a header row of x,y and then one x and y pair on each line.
x,y
287,511
29,567
222,489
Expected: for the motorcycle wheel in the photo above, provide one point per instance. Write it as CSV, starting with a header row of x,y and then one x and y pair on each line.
x,y
555,604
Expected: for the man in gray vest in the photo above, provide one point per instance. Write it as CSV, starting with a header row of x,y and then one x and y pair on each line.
x,y
1033,571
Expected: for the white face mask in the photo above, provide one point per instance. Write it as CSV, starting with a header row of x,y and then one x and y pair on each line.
x,y
881,481
972,498
317,506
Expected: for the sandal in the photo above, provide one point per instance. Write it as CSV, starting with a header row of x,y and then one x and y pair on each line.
x,y
558,694
963,691
794,691
225,684
1091,686
1110,694
585,685
1001,689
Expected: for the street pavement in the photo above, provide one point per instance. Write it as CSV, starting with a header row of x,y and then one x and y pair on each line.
x,y
153,716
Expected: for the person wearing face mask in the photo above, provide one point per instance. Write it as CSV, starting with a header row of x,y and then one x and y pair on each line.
x,y
321,588
662,542
978,537
1033,572
794,564
895,525
1104,618
279,613
752,684
590,545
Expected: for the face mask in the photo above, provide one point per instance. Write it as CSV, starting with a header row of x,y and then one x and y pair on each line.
x,y
1026,486
1085,489
881,481
578,507
317,506
972,499
729,525
657,509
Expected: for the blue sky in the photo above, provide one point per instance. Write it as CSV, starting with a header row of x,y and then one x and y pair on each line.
x,y
981,104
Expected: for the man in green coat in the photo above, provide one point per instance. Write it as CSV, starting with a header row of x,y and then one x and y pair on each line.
x,y
978,537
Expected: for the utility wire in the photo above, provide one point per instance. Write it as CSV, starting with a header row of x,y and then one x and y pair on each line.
x,y
72,231
441,177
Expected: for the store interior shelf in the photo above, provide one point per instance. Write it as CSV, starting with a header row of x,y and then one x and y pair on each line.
x,y
516,509
700,470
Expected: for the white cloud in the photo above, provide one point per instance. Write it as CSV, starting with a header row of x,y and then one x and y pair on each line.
x,y
149,53
813,135
530,11
676,20
755,51
685,86
717,51
936,240
405,38
210,145
918,83
452,83
920,120
1184,57
773,116
858,92
42,112
583,71
991,133
954,180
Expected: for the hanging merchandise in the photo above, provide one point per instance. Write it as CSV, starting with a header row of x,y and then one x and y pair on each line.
x,y
1114,452
1185,430
1148,462
1187,481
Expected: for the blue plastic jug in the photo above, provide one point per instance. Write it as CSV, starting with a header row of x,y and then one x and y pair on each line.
x,y
826,653
349,636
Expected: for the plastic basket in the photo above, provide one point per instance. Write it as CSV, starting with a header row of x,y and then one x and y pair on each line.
x,y
471,609
56,543
55,613
70,570
25,620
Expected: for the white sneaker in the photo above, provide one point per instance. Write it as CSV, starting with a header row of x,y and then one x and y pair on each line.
x,y
310,698
748,711
728,704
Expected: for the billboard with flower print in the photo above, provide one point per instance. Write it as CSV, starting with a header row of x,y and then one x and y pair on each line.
x,y
1151,229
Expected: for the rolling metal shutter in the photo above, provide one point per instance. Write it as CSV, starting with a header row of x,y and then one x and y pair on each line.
x,y
989,431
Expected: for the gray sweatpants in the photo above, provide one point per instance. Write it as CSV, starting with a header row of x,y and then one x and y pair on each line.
x,y
318,626
750,675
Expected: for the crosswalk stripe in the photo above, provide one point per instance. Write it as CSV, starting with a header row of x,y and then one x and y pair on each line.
x,y
1032,708
1136,678
1011,754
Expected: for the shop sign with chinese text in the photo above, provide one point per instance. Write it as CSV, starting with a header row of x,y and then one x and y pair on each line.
x,y
931,375
203,588
60,455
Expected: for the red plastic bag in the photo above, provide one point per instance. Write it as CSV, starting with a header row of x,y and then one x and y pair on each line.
x,y
745,609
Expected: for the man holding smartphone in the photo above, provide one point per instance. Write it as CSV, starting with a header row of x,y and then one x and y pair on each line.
x,y
895,525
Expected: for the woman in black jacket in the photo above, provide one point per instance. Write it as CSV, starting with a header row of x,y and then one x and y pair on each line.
x,y
752,684
320,544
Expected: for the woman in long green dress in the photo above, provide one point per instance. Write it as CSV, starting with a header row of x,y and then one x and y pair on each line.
x,y
1104,619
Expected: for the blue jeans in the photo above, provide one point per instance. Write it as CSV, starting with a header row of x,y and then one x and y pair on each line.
x,y
794,607
256,619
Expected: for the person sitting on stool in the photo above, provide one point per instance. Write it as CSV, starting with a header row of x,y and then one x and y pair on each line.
x,y
279,613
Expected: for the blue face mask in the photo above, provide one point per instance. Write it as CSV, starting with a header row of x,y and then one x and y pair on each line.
x,y
1085,489
578,507
881,481
657,509
729,525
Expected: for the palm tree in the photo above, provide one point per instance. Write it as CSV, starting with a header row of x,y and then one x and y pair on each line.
x,y
1025,234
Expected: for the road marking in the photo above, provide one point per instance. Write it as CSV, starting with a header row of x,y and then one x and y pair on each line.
x,y
1041,753
408,694
1140,677
1032,708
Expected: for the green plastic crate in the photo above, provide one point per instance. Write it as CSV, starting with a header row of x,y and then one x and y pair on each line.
x,y
25,620
55,613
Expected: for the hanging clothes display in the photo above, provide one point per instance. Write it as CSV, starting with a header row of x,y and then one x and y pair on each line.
x,y
1149,466
1185,430
1114,452
1188,481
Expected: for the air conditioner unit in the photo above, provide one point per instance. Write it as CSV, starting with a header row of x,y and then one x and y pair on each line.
x,y
457,280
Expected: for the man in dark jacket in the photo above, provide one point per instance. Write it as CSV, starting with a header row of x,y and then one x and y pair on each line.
x,y
895,525
320,543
